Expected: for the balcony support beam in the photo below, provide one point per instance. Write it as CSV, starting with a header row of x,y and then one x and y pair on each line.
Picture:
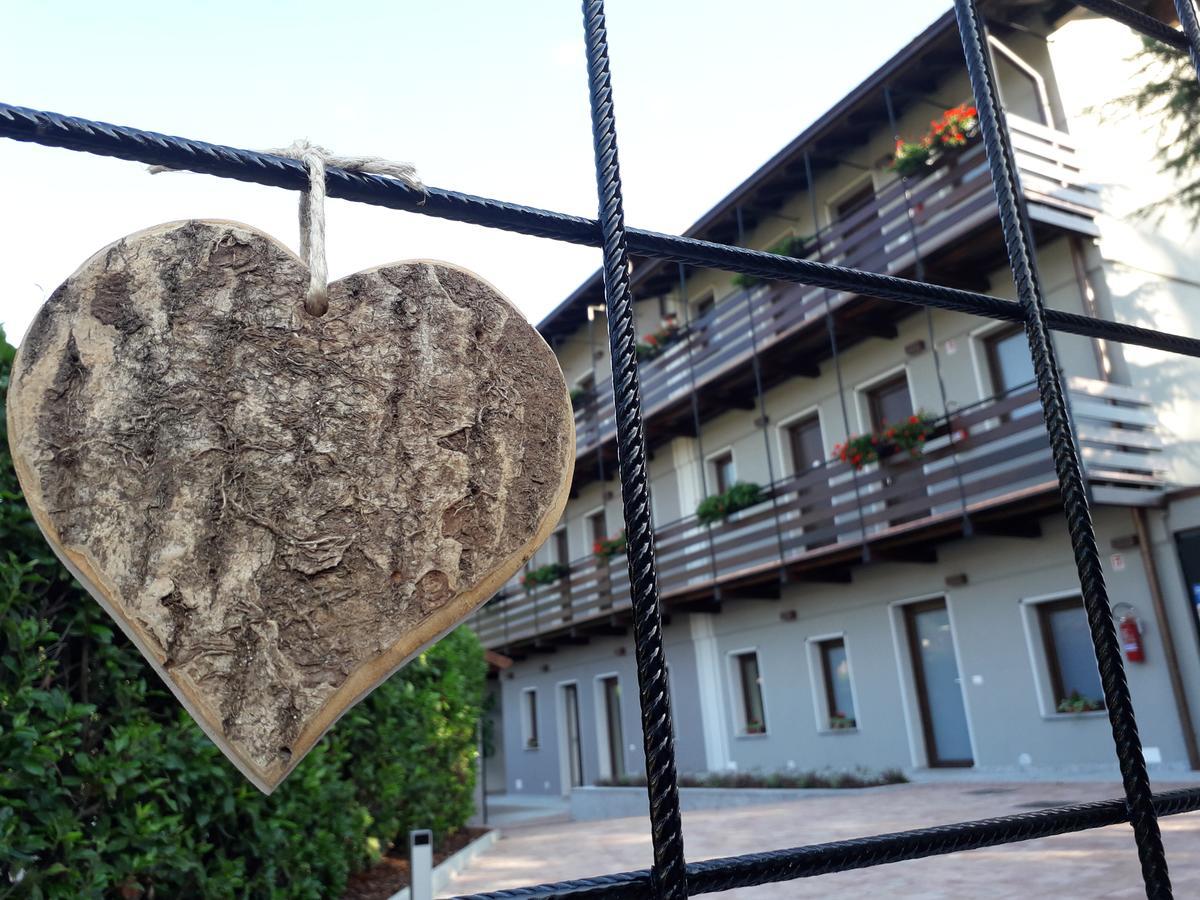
x,y
1029,529
907,553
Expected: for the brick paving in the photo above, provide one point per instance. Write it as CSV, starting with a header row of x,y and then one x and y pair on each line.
x,y
1094,864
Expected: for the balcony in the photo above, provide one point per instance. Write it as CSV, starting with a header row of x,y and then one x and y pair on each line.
x,y
991,461
955,230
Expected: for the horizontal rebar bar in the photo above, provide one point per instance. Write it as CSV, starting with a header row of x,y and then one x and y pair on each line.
x,y
1138,21
151,148
750,869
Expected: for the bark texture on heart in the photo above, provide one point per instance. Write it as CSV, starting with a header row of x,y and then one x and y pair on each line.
x,y
281,510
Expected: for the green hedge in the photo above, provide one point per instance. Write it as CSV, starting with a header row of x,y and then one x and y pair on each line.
x,y
108,789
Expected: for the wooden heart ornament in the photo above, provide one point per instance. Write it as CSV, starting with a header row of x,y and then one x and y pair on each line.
x,y
282,510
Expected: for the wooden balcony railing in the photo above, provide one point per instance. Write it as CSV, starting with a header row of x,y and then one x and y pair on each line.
x,y
993,454
955,198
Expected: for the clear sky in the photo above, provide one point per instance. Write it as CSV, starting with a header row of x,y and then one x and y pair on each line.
x,y
484,97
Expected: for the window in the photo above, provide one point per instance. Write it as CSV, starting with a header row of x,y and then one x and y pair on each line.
x,y
562,553
1022,88
1008,359
889,403
856,226
808,454
723,472
597,528
1070,657
835,675
705,305
529,723
753,717
807,446
613,739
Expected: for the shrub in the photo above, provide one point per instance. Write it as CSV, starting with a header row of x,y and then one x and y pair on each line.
x,y
108,788
858,778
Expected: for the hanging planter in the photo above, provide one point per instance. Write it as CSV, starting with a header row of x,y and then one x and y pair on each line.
x,y
863,449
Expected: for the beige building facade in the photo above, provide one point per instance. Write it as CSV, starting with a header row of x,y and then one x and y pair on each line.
x,y
922,609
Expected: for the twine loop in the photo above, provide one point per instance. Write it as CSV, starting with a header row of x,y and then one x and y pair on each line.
x,y
316,160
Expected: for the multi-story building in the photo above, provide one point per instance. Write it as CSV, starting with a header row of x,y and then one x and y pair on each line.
x,y
923,609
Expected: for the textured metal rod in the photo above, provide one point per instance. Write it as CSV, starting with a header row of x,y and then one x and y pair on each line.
x,y
1014,222
1138,21
1191,30
712,875
668,877
72,133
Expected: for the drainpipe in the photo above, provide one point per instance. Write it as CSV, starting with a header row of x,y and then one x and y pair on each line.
x,y
1168,642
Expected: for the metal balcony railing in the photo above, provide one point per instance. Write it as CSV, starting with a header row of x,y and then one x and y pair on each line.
x,y
952,200
978,459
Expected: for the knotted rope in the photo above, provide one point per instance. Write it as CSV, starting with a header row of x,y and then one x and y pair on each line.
x,y
316,160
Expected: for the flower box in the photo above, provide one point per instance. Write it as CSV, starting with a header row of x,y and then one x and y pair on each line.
x,y
957,127
861,450
1077,703
610,547
719,507
543,575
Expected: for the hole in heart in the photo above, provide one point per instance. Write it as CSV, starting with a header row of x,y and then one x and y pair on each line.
x,y
285,752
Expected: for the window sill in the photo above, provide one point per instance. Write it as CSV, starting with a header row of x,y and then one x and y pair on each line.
x,y
532,749
749,736
837,731
1072,717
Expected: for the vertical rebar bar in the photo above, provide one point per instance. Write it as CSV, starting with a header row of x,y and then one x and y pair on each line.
x,y
1018,238
669,874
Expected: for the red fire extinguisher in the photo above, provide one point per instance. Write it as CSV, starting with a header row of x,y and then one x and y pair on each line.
x,y
1131,634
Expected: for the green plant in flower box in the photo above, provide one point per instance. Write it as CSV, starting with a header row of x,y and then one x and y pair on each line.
x,y
720,506
1077,703
907,437
609,547
547,574
798,247
652,345
911,158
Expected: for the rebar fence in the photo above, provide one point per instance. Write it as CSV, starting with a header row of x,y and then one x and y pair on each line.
x,y
671,877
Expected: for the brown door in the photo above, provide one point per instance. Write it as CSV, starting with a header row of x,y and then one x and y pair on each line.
x,y
598,528
856,223
808,458
615,743
938,683
562,556
890,404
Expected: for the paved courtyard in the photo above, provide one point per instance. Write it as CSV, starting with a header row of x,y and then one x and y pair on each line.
x,y
1093,864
